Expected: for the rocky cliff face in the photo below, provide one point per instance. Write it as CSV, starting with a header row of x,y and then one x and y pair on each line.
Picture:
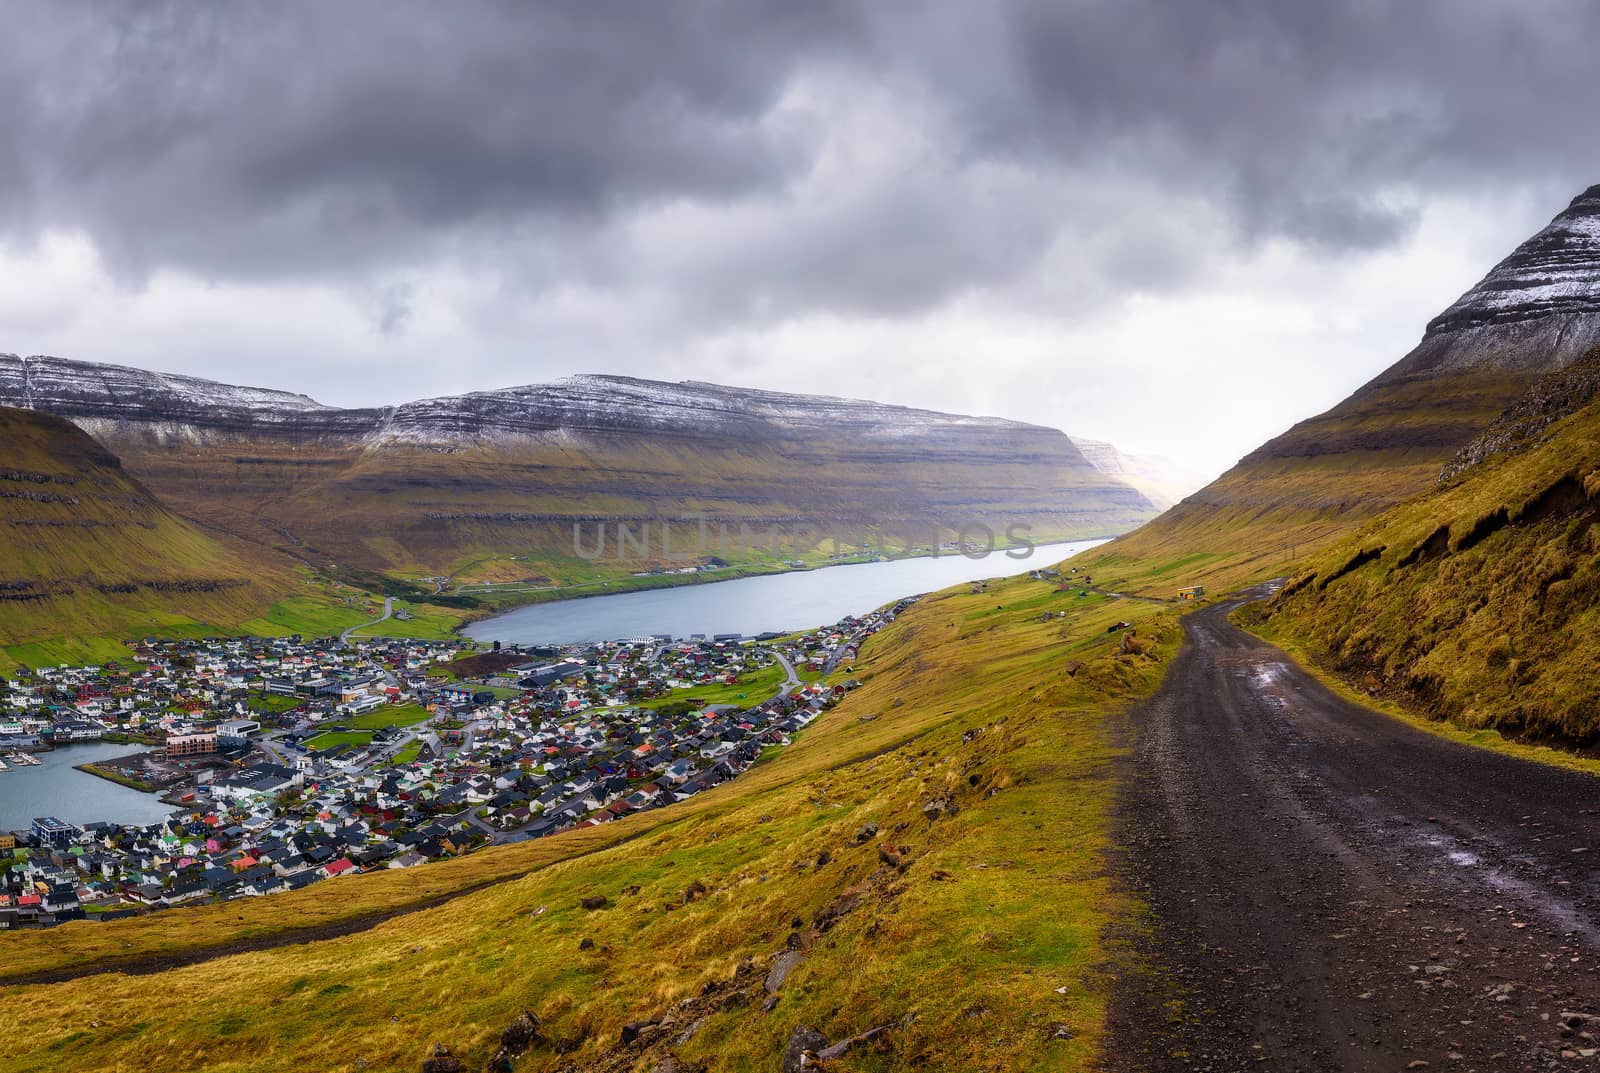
x,y
116,402
1537,310
113,400
1554,396
618,405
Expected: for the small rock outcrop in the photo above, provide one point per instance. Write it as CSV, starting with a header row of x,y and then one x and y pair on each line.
x,y
634,1031
442,1061
519,1035
1552,397
782,966
801,1051
938,806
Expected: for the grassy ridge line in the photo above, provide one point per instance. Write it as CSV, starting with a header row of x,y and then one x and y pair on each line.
x,y
1002,903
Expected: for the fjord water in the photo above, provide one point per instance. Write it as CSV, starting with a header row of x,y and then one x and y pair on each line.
x,y
791,601
54,788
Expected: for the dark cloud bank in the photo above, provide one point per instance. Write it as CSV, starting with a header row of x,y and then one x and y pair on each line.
x,y
736,164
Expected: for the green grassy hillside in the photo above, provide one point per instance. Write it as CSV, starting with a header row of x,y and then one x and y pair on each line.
x,y
90,557
506,512
935,849
1296,493
86,550
1477,601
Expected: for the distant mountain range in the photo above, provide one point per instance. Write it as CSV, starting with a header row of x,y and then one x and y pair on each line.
x,y
1163,481
489,486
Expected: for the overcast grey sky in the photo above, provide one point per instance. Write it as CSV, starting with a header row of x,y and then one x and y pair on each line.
x,y
1177,226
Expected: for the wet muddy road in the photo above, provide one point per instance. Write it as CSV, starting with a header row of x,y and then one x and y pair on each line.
x,y
1335,890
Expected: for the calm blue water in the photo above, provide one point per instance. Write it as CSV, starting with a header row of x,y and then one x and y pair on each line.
x,y
55,789
791,601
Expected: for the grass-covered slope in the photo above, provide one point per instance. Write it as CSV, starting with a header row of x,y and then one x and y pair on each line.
x,y
86,550
505,511
934,849
1478,601
1294,494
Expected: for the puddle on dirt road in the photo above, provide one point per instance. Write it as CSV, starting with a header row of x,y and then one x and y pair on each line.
x,y
1268,675
1534,900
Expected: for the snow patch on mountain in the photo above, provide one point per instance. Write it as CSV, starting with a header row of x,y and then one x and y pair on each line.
x,y
1536,311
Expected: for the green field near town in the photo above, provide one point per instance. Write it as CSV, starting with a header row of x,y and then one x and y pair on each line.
x,y
398,715
335,738
357,729
753,688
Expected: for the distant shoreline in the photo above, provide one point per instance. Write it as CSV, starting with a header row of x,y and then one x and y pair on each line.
x,y
670,581
731,573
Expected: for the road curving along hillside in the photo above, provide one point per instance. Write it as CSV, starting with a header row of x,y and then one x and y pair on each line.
x,y
1333,889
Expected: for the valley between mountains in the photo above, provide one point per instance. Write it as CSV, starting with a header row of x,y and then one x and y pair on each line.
x,y
1338,813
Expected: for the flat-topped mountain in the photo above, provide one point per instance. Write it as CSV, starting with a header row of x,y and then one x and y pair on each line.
x,y
613,404
492,477
118,400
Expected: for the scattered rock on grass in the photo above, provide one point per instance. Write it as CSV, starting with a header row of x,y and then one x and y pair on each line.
x,y
635,1030
782,966
442,1061
804,1043
521,1033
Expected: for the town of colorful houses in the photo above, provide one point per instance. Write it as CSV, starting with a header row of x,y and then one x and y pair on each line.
x,y
288,762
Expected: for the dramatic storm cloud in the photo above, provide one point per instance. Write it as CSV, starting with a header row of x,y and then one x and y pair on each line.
x,y
1177,226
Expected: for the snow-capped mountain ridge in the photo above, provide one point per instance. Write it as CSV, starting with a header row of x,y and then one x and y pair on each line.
x,y
102,398
486,476
1536,311
1556,271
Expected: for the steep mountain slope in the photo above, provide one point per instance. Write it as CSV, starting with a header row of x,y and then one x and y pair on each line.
x,y
86,549
1480,600
1535,312
1163,481
471,482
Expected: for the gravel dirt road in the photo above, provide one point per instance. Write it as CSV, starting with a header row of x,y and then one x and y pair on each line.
x,y
1335,890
